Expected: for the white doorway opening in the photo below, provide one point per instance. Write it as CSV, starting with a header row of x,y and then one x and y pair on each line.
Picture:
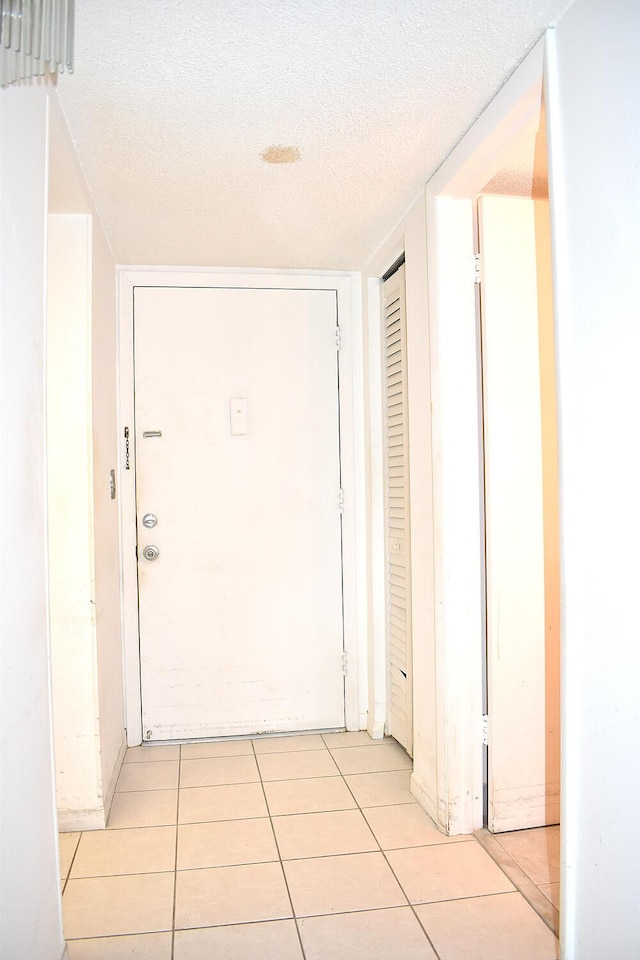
x,y
457,456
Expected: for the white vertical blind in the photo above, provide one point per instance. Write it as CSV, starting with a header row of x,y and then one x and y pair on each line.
x,y
397,550
35,36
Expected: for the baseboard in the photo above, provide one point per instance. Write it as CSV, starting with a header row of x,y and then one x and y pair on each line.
x,y
72,821
376,730
525,807
115,773
425,798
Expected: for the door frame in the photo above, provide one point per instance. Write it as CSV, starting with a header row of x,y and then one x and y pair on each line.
x,y
408,238
457,454
352,461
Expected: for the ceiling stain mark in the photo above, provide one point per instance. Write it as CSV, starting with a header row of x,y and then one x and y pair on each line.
x,y
278,154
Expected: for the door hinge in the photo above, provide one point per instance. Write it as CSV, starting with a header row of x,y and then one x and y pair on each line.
x,y
338,335
344,663
127,455
476,268
341,500
485,729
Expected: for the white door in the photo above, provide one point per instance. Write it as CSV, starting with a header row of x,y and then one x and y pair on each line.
x,y
397,544
237,455
523,580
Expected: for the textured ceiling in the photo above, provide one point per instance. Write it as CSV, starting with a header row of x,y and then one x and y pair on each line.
x,y
173,103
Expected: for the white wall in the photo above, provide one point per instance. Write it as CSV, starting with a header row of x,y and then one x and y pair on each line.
x,y
83,527
71,541
594,108
105,516
30,897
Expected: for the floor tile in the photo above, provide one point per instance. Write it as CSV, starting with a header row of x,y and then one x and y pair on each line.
x,y
323,834
406,825
308,796
361,881
144,946
231,895
374,935
371,759
447,871
146,808
225,843
488,928
274,940
68,843
107,853
310,741
235,801
157,775
108,906
224,748
294,766
381,789
218,770
537,851
149,753
350,738
552,892
231,898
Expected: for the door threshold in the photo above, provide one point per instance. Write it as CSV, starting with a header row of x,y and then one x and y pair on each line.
x,y
244,736
532,894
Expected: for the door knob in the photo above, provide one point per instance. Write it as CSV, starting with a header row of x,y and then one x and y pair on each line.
x,y
149,520
151,552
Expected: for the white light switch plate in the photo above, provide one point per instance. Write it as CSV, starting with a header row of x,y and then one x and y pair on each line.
x,y
239,417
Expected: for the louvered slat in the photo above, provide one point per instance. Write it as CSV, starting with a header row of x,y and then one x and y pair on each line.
x,y
398,598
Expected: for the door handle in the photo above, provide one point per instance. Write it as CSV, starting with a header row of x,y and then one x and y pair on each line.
x,y
151,552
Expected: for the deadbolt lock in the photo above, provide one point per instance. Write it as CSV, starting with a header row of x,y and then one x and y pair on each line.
x,y
149,520
151,552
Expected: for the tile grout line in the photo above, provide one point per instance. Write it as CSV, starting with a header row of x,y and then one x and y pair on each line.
x,y
75,854
404,893
256,863
175,860
276,816
280,860
272,818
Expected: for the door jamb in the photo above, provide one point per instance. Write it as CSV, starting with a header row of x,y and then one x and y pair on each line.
x,y
346,286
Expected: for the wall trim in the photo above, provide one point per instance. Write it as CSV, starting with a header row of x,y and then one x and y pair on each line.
x,y
352,429
425,796
70,821
113,779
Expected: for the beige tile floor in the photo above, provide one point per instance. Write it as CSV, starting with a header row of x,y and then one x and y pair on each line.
x,y
289,848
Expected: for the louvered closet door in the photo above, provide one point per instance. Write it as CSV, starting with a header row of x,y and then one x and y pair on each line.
x,y
398,554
